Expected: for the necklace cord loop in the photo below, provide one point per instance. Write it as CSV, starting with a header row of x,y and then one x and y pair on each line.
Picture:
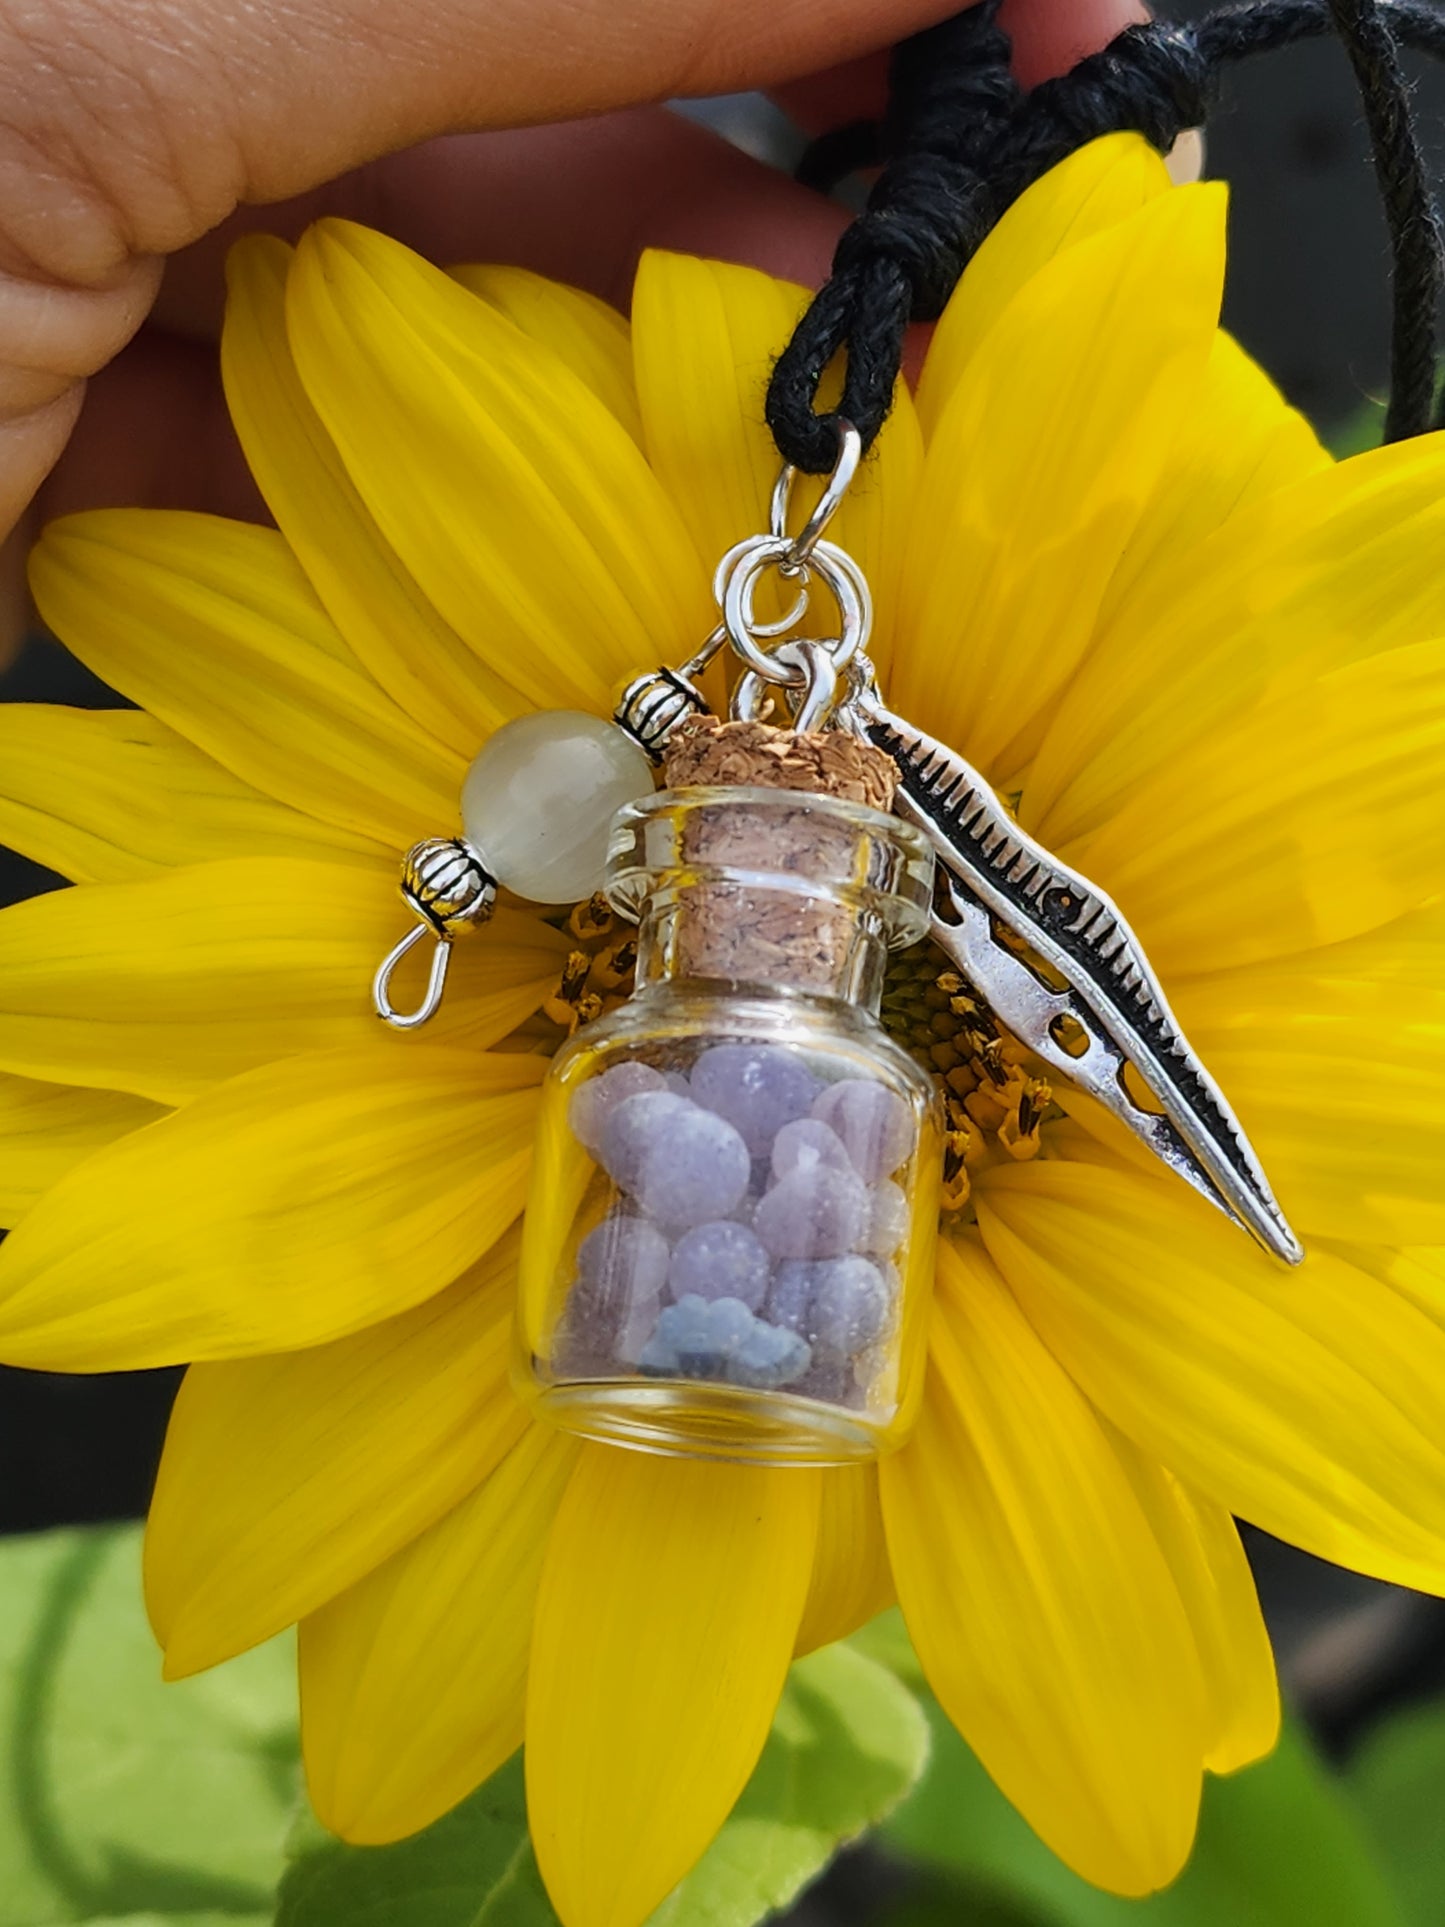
x,y
961,141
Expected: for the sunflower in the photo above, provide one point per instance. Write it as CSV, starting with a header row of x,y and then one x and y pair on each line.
x,y
1117,572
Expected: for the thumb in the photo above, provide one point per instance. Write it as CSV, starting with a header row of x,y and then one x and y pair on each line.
x,y
129,128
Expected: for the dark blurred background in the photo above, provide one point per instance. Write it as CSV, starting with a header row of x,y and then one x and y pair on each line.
x,y
1307,295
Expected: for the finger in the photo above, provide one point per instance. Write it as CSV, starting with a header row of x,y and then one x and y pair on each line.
x,y
579,203
857,90
1049,37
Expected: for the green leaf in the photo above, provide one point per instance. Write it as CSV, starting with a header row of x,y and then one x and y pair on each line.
x,y
1278,1847
847,1744
1396,1778
123,1799
182,1920
473,1866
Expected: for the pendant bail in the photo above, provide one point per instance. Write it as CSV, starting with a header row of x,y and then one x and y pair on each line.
x,y
802,545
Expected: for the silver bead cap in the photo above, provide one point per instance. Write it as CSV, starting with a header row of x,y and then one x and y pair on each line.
x,y
651,707
445,882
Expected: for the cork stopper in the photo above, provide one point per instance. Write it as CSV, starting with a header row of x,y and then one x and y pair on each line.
x,y
743,930
705,749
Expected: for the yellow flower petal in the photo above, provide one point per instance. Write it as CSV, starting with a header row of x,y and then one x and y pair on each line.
x,y
1216,1586
1417,1274
413,1684
517,500
1307,1401
295,1204
165,986
1043,463
851,1576
705,336
211,626
670,1597
592,338
103,795
1040,1605
1331,568
46,1128
1310,819
414,654
1095,188
1336,1067
1239,443
286,1479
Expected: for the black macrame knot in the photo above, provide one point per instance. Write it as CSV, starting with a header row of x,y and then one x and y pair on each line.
x,y
950,94
1154,80
929,225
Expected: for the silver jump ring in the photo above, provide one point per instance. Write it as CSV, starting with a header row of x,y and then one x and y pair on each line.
x,y
728,567
802,545
760,553
848,586
820,698
818,682
833,566
700,658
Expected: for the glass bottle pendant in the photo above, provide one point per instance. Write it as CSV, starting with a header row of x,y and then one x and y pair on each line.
x,y
729,1241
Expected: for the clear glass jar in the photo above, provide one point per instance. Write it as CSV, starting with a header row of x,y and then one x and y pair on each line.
x,y
729,1242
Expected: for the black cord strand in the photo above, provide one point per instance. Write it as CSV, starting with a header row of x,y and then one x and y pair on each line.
x,y
842,151
1416,272
961,143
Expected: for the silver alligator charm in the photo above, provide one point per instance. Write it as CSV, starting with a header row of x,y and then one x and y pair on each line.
x,y
1104,1001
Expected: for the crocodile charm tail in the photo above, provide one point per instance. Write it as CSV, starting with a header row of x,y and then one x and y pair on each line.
x,y
1089,1005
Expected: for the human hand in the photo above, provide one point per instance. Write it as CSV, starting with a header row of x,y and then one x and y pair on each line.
x,y
138,137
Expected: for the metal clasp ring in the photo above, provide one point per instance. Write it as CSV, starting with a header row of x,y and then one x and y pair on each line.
x,y
802,545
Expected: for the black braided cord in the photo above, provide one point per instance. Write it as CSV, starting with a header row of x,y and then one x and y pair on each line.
x,y
1416,269
961,142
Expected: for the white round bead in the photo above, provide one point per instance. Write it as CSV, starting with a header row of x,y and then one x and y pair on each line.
x,y
538,800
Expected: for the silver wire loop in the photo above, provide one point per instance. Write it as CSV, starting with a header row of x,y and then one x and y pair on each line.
x,y
700,658
802,545
436,981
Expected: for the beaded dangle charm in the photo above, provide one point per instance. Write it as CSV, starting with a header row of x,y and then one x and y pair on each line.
x,y
535,805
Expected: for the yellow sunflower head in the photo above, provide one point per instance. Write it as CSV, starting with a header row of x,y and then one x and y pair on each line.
x,y
1120,575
